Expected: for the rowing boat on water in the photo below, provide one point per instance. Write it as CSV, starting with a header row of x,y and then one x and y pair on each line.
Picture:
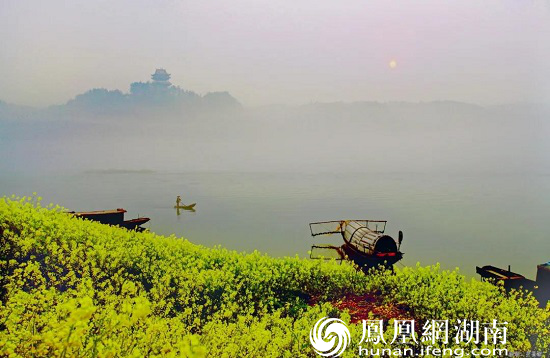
x,y
185,207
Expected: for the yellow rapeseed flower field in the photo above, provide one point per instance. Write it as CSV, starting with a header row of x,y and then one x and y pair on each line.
x,y
76,288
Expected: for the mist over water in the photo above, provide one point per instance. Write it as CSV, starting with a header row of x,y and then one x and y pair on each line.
x,y
436,137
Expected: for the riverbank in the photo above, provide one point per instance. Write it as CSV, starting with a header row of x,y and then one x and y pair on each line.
x,y
74,287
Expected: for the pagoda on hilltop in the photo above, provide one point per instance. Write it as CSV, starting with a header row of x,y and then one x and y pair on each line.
x,y
161,77
159,86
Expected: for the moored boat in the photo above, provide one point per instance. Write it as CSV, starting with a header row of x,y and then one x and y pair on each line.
x,y
134,224
112,217
365,242
511,280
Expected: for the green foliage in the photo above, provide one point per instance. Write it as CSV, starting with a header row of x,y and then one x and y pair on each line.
x,y
71,287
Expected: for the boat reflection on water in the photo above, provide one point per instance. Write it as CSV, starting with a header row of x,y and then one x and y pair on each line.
x,y
179,209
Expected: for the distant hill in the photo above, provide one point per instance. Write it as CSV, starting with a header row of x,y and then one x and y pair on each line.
x,y
157,96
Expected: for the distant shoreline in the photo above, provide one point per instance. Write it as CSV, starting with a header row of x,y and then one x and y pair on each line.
x,y
119,171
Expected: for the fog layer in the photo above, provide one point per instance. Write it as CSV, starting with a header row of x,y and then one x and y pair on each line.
x,y
188,132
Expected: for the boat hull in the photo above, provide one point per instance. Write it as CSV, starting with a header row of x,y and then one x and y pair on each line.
x,y
134,224
368,261
112,217
185,207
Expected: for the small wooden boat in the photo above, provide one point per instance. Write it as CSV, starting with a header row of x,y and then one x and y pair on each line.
x,y
112,217
511,280
185,207
134,224
364,242
495,273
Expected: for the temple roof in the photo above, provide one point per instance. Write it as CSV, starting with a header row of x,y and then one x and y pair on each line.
x,y
160,75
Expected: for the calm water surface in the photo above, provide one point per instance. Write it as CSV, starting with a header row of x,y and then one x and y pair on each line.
x,y
459,221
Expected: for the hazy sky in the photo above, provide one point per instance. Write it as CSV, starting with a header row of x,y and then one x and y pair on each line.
x,y
291,51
